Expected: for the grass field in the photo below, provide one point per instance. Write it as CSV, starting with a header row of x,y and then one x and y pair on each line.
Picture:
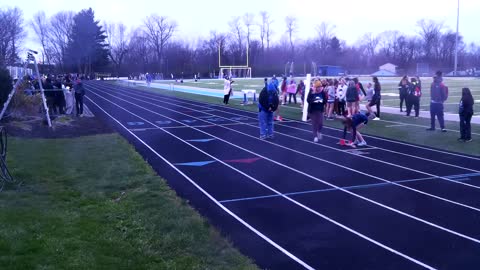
x,y
69,212
389,89
392,126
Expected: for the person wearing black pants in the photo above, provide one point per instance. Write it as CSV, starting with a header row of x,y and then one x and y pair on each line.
x,y
227,89
377,97
465,112
438,94
414,93
79,93
403,92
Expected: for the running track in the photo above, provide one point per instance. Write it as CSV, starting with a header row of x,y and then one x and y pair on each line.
x,y
289,203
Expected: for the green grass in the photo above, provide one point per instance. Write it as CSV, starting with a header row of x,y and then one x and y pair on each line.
x,y
66,213
389,89
413,131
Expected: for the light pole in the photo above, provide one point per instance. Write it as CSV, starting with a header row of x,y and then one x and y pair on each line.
x,y
456,40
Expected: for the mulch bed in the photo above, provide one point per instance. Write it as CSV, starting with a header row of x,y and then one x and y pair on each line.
x,y
63,126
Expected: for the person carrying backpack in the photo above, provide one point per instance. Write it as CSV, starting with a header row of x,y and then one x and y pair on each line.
x,y
438,94
267,104
414,94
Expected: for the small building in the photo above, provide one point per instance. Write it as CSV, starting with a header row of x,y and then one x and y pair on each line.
x,y
330,71
384,73
389,67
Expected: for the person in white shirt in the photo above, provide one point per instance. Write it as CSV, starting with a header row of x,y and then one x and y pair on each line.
x,y
341,91
227,89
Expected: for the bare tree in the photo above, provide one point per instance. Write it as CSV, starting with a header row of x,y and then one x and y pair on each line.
x,y
159,30
60,33
265,29
41,27
325,33
248,20
237,33
369,44
117,43
11,35
430,32
291,23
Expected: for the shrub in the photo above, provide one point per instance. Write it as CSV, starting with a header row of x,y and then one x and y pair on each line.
x,y
5,85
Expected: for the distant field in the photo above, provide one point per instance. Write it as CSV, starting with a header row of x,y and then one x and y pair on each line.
x,y
389,89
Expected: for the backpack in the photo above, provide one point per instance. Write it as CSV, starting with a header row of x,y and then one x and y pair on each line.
x,y
268,99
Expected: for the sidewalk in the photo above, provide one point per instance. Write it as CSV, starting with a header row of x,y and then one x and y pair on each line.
x,y
424,114
239,94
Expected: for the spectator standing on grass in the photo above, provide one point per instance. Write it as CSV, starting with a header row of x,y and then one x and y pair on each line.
x,y
267,105
360,94
283,89
292,92
301,91
413,97
377,97
370,91
438,95
79,93
465,111
148,78
403,92
50,96
227,88
277,116
341,102
351,96
316,106
330,99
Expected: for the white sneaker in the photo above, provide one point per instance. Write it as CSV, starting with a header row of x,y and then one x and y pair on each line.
x,y
319,135
364,143
376,118
315,139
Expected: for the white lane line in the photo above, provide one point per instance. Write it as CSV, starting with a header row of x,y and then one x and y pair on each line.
x,y
397,125
264,237
301,122
295,170
377,160
253,179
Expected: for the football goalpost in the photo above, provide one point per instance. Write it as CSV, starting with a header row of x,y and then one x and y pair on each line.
x,y
242,71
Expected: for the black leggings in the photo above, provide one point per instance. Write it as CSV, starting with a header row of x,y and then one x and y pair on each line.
x,y
226,98
341,108
414,102
376,103
79,103
403,97
290,98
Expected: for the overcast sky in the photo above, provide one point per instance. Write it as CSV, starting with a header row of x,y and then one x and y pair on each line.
x,y
352,18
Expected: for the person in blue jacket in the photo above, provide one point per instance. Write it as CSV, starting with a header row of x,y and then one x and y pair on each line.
x,y
267,104
354,124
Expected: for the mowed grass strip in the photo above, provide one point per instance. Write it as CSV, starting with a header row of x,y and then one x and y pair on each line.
x,y
68,212
397,127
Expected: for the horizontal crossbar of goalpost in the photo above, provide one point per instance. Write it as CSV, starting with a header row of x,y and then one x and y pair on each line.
x,y
234,67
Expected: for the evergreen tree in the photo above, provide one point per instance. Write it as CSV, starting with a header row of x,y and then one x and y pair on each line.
x,y
87,50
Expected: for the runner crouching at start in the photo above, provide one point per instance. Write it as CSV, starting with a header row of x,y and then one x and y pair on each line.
x,y
354,124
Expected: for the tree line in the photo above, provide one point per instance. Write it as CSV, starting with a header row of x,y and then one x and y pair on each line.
x,y
77,42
